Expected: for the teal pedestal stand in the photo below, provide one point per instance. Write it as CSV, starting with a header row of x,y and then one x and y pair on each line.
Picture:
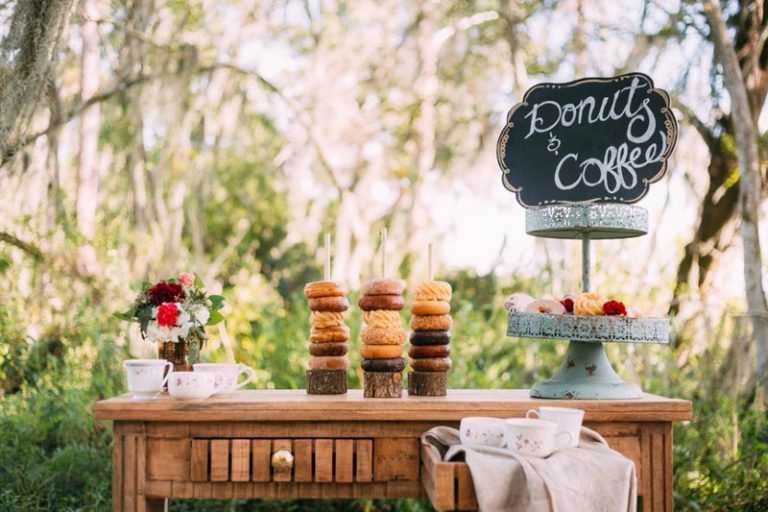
x,y
586,372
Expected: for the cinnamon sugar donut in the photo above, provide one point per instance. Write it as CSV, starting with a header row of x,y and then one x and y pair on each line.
x,y
378,336
431,322
384,286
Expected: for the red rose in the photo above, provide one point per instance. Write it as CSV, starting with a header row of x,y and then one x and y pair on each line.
x,y
567,304
167,314
165,292
614,307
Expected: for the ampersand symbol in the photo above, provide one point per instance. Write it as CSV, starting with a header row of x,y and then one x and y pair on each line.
x,y
553,143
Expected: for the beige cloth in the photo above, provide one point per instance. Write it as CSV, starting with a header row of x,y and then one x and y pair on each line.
x,y
591,477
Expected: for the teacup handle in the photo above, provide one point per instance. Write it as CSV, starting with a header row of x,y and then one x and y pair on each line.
x,y
243,368
532,412
168,365
568,441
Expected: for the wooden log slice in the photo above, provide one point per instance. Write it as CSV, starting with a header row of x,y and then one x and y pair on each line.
x,y
427,383
382,384
326,382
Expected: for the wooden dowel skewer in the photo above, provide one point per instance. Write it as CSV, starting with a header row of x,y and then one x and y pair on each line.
x,y
327,269
430,274
383,252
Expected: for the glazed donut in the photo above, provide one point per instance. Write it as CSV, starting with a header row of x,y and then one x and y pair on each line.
x,y
424,338
383,365
332,348
323,319
334,304
431,322
381,351
517,302
430,307
588,304
429,351
388,302
329,334
379,336
383,287
433,290
382,318
545,306
434,364
328,363
317,289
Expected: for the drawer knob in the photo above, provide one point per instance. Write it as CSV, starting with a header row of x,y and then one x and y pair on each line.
x,y
282,460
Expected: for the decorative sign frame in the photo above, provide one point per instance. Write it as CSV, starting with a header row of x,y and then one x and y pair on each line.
x,y
586,141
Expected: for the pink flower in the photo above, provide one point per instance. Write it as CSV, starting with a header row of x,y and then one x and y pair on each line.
x,y
167,314
186,278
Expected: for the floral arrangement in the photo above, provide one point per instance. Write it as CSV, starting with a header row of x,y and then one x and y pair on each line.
x,y
174,310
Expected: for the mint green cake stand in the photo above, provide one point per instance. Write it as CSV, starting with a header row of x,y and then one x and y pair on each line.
x,y
586,372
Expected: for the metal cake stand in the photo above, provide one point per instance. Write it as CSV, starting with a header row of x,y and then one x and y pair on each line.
x,y
586,372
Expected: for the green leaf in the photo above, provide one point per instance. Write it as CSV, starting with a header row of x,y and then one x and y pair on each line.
x,y
217,302
198,282
216,318
127,315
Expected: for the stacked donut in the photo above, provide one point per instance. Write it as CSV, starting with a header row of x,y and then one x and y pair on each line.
x,y
329,336
383,334
431,323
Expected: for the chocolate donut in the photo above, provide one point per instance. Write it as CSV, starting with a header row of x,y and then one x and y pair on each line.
x,y
383,365
429,351
332,348
435,364
390,302
334,304
421,338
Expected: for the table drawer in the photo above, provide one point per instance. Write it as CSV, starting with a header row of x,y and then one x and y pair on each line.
x,y
298,460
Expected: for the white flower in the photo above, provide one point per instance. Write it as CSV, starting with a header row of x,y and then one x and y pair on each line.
x,y
201,313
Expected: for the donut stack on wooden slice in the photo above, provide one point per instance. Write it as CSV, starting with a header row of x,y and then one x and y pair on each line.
x,y
328,338
430,340
383,337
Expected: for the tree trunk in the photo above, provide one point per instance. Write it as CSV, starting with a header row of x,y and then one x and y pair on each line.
x,y
749,187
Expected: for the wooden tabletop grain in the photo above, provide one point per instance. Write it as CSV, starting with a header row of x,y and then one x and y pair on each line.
x,y
297,405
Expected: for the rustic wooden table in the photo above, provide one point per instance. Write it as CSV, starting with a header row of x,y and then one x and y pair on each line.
x,y
345,446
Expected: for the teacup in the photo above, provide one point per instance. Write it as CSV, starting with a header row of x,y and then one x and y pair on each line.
x,y
567,419
227,375
191,385
482,431
145,377
535,438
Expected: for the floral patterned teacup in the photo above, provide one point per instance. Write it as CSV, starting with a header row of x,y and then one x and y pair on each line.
x,y
145,377
191,385
482,431
227,375
567,418
535,438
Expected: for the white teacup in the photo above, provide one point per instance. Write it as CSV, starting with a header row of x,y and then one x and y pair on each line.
x,y
227,375
191,385
568,419
145,377
482,431
535,438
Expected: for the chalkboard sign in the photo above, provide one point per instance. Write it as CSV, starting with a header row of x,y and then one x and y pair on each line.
x,y
591,140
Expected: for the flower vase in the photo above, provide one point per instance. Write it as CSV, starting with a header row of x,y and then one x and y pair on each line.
x,y
177,353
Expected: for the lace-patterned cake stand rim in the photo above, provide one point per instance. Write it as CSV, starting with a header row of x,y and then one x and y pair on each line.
x,y
611,329
599,221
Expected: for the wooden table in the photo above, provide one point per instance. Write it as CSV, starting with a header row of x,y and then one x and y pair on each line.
x,y
345,446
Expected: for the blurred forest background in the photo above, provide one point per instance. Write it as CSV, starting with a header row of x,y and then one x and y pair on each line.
x,y
143,138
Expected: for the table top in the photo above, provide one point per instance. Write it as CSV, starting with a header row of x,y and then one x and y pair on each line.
x,y
297,405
